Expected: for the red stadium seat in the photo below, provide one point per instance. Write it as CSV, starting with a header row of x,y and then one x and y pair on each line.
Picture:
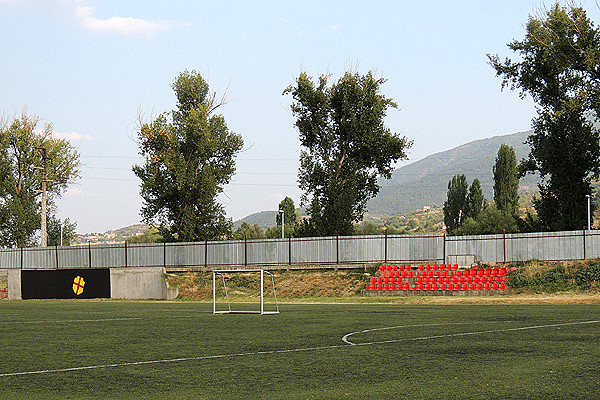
x,y
486,286
427,267
442,286
421,286
388,267
495,272
407,267
427,286
480,272
479,286
504,279
502,286
435,267
393,286
382,267
494,286
406,286
454,266
394,268
503,271
472,286
421,267
373,280
434,286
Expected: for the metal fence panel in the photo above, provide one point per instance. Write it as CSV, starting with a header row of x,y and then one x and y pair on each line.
x,y
325,250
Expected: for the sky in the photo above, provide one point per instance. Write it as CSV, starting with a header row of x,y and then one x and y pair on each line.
x,y
94,69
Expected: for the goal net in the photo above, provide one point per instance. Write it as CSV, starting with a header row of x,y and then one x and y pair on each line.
x,y
243,291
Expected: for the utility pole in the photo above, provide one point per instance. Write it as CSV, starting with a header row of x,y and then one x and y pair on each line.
x,y
44,239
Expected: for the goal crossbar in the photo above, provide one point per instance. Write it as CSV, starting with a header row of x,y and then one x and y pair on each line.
x,y
262,311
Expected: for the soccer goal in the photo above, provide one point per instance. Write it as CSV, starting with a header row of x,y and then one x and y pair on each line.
x,y
246,280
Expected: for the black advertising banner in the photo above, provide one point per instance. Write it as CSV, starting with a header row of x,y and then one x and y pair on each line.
x,y
90,283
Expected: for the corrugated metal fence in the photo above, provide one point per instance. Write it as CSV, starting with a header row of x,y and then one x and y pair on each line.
x,y
397,249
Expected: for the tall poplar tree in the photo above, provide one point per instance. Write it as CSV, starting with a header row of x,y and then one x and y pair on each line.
x,y
559,63
189,156
22,148
456,204
506,181
346,148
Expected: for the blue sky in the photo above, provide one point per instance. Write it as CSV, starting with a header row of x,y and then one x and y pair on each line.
x,y
93,67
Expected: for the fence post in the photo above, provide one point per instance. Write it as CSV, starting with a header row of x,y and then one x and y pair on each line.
x,y
444,250
89,255
164,254
56,253
126,254
385,244
206,254
337,248
504,243
290,250
21,258
584,253
245,251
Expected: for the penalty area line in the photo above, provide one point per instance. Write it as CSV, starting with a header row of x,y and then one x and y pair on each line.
x,y
284,351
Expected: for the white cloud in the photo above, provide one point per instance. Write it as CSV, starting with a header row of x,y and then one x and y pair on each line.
x,y
120,25
72,136
335,27
85,17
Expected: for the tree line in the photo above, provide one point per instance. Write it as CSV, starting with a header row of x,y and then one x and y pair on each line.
x,y
189,153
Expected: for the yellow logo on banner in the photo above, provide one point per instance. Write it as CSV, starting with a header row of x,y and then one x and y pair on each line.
x,y
78,285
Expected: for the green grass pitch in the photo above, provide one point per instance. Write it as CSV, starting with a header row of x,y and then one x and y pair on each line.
x,y
180,350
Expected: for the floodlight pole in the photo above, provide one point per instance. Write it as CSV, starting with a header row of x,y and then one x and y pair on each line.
x,y
589,207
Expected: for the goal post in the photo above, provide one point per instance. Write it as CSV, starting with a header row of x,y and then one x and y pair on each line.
x,y
219,275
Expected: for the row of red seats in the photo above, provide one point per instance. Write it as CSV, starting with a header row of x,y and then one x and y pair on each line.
x,y
448,279
420,267
435,286
476,271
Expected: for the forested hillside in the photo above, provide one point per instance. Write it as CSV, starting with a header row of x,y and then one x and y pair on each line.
x,y
425,182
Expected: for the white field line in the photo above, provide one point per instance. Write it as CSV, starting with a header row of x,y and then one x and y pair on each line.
x,y
345,337
69,321
257,353
465,333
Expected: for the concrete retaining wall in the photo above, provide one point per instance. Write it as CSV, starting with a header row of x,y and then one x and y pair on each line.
x,y
125,283
140,283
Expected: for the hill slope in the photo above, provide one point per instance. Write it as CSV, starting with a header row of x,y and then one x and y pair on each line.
x,y
425,182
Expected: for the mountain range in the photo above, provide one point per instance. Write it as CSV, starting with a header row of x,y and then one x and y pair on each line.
x,y
425,182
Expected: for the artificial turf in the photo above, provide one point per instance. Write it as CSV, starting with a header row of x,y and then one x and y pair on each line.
x,y
468,351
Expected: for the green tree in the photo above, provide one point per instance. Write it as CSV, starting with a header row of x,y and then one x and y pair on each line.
x,y
189,157
490,220
370,228
60,233
21,160
456,203
290,216
248,231
506,181
559,69
475,200
346,147
150,235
